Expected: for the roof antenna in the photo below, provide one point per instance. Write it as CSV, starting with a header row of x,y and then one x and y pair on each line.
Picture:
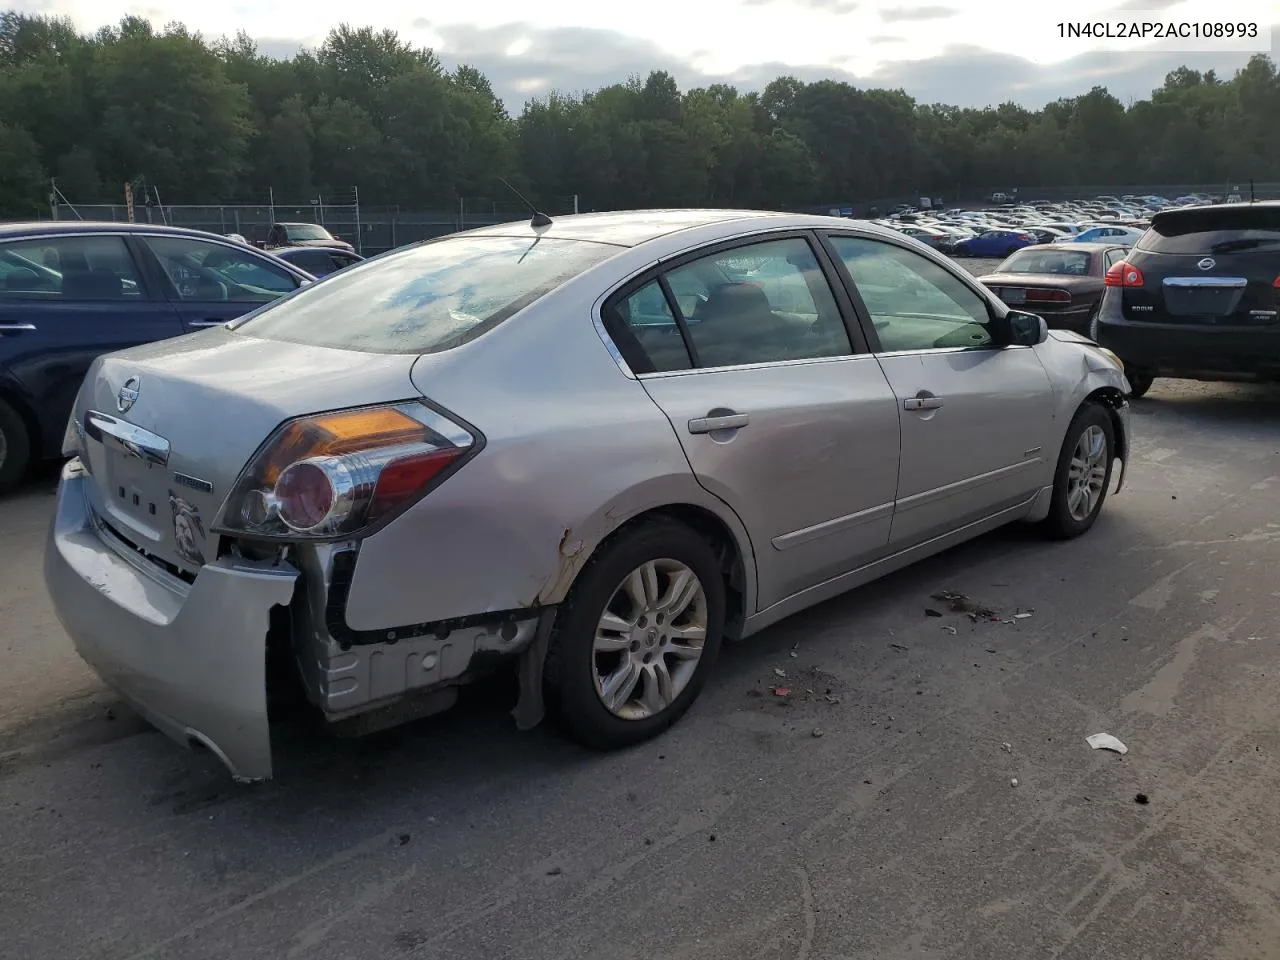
x,y
540,219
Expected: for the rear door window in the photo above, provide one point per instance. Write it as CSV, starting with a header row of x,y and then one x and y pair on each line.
x,y
214,272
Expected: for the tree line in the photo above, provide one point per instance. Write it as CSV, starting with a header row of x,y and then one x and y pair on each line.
x,y
215,122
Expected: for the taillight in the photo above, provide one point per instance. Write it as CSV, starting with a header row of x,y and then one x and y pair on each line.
x,y
1049,296
1123,274
1276,283
344,473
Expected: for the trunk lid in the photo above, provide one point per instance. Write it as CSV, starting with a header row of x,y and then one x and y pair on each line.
x,y
166,428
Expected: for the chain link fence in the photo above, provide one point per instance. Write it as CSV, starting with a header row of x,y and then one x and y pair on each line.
x,y
370,230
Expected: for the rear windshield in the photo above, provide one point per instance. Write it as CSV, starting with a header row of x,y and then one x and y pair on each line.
x,y
1200,231
306,231
1071,263
427,298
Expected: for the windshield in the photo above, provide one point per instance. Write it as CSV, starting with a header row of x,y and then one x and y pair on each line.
x,y
1071,263
306,231
1206,230
427,298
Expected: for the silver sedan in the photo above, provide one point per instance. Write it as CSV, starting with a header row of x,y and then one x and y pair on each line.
x,y
591,450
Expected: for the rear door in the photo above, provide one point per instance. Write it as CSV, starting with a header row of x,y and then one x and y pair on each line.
x,y
747,350
977,417
65,300
1207,267
211,283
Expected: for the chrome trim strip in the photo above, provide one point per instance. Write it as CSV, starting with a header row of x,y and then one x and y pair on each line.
x,y
961,486
1217,283
808,534
135,441
756,366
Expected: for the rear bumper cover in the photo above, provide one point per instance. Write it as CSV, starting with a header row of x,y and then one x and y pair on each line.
x,y
1172,349
191,658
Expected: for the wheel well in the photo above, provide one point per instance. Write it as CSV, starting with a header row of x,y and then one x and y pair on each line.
x,y
722,540
1112,400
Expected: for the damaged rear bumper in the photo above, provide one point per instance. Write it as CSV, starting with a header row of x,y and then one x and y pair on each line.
x,y
191,658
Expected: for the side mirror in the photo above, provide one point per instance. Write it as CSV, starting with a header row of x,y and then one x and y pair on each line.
x,y
1026,329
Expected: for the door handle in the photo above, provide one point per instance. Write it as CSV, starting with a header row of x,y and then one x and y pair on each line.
x,y
207,323
922,403
16,327
730,421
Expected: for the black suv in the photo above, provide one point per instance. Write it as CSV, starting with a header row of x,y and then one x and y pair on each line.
x,y
1198,297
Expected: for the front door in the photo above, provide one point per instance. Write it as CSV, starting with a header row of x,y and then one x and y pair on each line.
x,y
65,300
977,417
750,358
213,283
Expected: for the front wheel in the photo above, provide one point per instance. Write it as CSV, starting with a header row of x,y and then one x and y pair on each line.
x,y
1083,475
1139,382
15,447
637,636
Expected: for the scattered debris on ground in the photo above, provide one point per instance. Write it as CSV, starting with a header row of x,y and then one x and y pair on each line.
x,y
1142,799
778,671
818,731
1105,741
951,630
1007,747
1013,782
959,603
930,612
898,646
782,691
555,872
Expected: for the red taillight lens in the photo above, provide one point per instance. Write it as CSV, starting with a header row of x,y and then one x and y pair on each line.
x,y
1049,296
1123,274
1276,283
340,474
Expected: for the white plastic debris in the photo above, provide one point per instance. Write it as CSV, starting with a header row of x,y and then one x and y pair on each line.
x,y
1021,616
1013,782
1007,747
1105,741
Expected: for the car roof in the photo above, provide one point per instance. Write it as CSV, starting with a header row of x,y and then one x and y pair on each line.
x,y
277,251
42,228
1089,247
630,228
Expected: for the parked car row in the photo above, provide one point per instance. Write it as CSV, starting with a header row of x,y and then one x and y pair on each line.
x,y
999,231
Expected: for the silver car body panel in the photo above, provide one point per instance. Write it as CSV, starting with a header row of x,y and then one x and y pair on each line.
x,y
810,489
189,657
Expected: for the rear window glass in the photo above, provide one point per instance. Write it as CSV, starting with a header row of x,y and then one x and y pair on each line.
x,y
427,298
1204,231
1070,263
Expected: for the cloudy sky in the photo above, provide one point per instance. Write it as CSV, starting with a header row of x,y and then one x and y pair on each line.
x,y
965,52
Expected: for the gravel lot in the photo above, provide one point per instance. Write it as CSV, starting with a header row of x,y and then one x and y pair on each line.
x,y
896,832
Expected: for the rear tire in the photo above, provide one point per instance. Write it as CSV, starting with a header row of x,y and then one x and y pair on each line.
x,y
1083,476
1139,381
638,655
15,448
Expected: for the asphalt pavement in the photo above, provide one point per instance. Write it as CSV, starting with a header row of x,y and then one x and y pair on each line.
x,y
924,791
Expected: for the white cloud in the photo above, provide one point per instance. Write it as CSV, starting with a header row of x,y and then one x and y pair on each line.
x,y
556,43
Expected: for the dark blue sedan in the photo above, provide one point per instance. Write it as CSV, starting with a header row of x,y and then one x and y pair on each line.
x,y
70,292
995,243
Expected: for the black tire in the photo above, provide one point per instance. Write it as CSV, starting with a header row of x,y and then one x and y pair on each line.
x,y
15,448
1091,325
1139,382
1060,524
570,666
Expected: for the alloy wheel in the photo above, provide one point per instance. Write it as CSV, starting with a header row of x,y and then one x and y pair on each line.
x,y
1087,473
649,639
